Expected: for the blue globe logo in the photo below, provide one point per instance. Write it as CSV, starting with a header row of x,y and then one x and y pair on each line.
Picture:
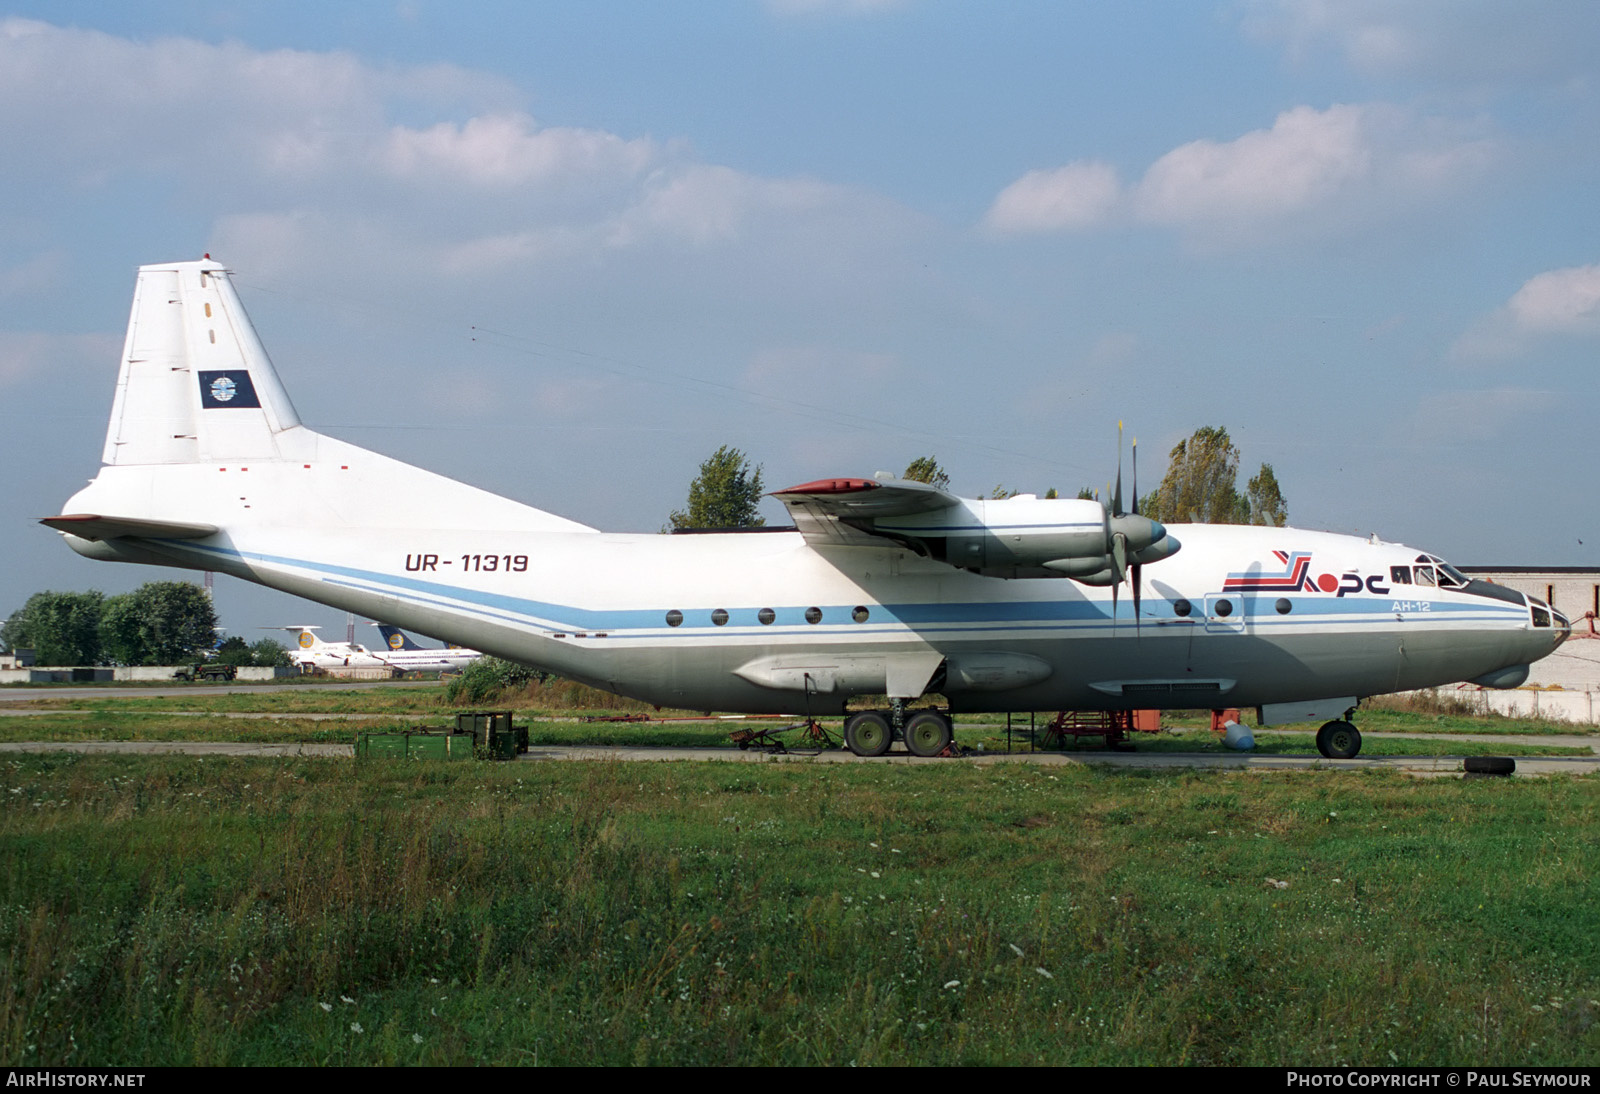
x,y
222,389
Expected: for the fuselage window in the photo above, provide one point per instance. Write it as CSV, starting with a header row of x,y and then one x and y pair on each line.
x,y
1223,607
766,615
719,617
674,618
1283,606
1181,608
813,615
860,614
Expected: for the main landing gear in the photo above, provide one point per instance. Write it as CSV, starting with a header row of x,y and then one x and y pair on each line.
x,y
1339,740
871,732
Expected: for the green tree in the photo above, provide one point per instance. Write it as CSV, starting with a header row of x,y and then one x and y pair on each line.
x,y
61,628
726,494
926,469
235,651
159,623
268,653
1200,486
1002,492
120,627
1266,499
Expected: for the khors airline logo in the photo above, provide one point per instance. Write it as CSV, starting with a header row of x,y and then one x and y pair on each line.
x,y
1296,578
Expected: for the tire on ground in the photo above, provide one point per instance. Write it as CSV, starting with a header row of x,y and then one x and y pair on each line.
x,y
868,734
927,733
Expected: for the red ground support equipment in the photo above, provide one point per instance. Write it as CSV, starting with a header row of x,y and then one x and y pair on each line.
x,y
1221,718
1113,725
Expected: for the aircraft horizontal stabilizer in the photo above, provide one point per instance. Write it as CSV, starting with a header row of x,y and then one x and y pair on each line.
x,y
92,526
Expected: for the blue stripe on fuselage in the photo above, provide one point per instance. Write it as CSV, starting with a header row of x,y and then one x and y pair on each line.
x,y
1044,615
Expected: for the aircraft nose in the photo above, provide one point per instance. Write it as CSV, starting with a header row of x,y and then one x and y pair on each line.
x,y
1546,628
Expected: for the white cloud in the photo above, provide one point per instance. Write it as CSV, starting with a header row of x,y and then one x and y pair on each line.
x,y
505,150
301,159
1307,157
1078,195
1565,301
91,107
1558,302
1312,169
1472,42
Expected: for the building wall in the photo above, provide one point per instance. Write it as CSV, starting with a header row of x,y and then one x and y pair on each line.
x,y
1573,590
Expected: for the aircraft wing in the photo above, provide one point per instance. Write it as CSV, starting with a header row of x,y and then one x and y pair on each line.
x,y
92,526
841,511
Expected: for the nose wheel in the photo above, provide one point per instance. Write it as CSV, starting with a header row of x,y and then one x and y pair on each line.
x,y
1338,740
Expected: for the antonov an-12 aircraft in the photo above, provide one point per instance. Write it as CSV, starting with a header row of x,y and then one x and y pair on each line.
x,y
884,587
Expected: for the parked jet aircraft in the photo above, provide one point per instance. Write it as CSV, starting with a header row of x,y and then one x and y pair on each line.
x,y
401,652
313,651
884,587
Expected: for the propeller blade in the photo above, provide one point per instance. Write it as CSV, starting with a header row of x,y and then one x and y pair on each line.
x,y
1119,567
1136,476
1138,581
1116,500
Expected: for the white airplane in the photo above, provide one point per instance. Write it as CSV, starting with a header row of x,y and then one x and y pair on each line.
x,y
885,587
313,651
403,653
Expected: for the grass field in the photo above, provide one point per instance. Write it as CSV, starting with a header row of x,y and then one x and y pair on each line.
x,y
170,910
174,910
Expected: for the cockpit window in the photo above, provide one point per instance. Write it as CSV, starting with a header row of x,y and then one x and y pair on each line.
x,y
1432,570
1400,575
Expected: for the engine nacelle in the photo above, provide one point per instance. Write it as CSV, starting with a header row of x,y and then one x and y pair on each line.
x,y
1027,536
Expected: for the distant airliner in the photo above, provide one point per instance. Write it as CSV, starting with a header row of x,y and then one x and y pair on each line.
x,y
314,652
401,652
885,587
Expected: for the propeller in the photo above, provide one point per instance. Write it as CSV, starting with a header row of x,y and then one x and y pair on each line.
x,y
1138,567
1131,541
1120,564
1119,540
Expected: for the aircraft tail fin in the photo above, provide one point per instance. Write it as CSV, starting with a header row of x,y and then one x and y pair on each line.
x,y
395,638
195,383
305,637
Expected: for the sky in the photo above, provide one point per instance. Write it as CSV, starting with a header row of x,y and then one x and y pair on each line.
x,y
566,251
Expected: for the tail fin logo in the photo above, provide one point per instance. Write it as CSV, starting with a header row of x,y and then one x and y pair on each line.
x,y
231,389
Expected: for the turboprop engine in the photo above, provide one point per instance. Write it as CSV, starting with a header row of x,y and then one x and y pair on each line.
x,y
1020,536
1029,536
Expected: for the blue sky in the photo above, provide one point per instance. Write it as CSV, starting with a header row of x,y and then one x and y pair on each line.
x,y
566,251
